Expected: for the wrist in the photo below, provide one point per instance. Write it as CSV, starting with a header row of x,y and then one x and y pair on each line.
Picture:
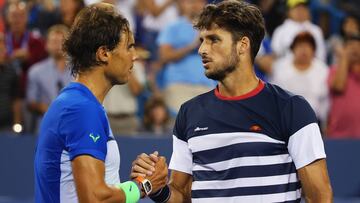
x,y
142,192
131,191
161,196
145,184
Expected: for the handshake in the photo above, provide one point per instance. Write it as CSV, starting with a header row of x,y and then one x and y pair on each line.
x,y
152,168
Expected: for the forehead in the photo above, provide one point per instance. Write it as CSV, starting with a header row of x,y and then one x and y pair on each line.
x,y
17,8
126,37
214,30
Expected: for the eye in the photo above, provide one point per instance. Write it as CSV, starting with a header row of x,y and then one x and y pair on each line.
x,y
214,39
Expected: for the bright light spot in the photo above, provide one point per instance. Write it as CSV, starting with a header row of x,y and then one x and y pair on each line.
x,y
17,128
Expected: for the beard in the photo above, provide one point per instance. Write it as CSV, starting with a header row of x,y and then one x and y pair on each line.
x,y
221,71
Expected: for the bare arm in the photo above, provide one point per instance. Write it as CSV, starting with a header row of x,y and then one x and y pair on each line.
x,y
265,63
168,54
89,174
154,9
134,85
341,73
315,182
180,187
38,107
17,111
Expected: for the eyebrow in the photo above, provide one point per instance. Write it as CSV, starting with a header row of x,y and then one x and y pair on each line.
x,y
213,36
210,36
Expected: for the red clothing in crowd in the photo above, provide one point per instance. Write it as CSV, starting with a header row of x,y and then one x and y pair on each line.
x,y
344,117
36,49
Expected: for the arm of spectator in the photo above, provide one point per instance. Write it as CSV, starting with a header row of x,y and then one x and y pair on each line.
x,y
20,54
17,111
315,182
154,9
265,62
167,53
137,79
134,85
341,73
38,107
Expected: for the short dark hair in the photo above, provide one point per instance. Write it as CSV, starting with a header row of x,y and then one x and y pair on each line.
x,y
304,37
237,17
95,26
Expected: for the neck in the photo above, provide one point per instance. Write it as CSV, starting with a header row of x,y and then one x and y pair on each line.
x,y
96,81
239,82
302,65
60,63
17,35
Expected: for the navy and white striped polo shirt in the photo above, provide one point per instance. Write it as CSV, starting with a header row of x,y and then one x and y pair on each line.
x,y
247,148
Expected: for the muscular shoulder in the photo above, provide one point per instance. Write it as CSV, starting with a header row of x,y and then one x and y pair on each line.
x,y
295,111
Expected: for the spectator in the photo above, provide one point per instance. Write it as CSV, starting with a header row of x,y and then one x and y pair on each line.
x,y
43,15
125,7
156,118
157,15
69,9
24,48
298,21
305,75
349,26
121,104
344,82
10,111
178,44
2,23
49,76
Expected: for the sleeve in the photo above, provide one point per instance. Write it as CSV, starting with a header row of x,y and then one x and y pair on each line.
x,y
166,36
84,130
32,89
276,42
305,143
181,159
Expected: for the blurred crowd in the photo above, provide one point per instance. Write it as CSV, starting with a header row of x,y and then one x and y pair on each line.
x,y
312,48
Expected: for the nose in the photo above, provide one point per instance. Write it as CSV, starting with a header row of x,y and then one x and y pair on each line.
x,y
202,49
135,55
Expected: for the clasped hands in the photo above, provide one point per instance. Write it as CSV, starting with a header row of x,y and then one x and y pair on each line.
x,y
152,167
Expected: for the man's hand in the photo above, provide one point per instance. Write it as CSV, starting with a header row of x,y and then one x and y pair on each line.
x,y
21,54
152,167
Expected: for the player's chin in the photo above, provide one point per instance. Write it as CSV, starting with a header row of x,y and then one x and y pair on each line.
x,y
120,80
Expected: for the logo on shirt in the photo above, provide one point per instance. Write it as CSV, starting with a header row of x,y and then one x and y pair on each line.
x,y
94,138
255,128
200,129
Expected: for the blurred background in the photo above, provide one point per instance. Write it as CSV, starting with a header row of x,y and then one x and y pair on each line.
x,y
311,48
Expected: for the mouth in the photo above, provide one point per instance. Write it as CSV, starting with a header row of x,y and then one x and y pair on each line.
x,y
206,62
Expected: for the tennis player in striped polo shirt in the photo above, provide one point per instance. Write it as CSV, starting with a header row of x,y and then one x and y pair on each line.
x,y
245,141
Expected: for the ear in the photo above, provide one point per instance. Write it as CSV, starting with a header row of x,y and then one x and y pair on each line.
x,y
102,54
243,45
